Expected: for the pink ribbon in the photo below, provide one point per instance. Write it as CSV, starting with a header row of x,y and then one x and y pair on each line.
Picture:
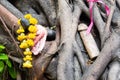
x,y
91,3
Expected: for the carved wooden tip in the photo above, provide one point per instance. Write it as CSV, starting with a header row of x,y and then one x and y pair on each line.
x,y
82,27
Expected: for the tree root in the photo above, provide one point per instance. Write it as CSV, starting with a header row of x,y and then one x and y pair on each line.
x,y
9,18
11,8
11,36
30,9
77,72
114,71
96,69
49,10
71,55
68,23
80,57
6,41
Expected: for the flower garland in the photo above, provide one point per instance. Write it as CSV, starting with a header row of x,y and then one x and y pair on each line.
x,y
26,35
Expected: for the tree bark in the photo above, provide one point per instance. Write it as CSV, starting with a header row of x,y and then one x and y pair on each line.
x,y
109,49
68,22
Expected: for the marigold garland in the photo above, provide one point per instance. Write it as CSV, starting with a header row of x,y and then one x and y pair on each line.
x,y
26,39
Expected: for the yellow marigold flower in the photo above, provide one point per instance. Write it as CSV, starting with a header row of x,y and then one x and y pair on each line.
x,y
27,52
32,28
19,22
30,42
24,45
27,57
28,16
21,37
33,21
31,35
27,64
20,30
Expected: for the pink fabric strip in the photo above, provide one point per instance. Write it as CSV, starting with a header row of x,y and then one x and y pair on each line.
x,y
91,17
39,40
91,3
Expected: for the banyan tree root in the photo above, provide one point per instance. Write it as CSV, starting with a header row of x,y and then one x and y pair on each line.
x,y
33,9
106,54
72,63
114,73
48,8
20,10
6,41
11,8
68,21
109,49
9,18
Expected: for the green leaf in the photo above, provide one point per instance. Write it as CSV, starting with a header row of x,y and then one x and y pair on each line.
x,y
12,72
1,66
9,64
3,56
2,47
